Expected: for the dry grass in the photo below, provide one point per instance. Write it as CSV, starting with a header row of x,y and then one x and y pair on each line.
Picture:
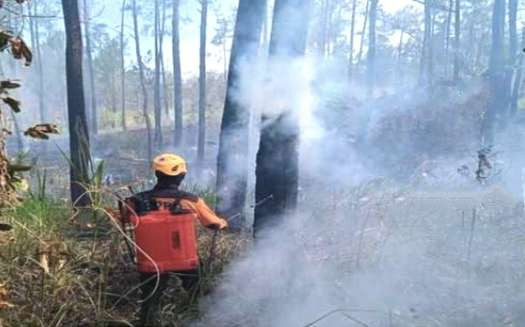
x,y
59,271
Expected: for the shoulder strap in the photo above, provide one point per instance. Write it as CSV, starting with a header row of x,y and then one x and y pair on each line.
x,y
175,194
144,202
187,196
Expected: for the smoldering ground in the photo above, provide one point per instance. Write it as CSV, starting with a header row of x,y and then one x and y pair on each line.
x,y
366,248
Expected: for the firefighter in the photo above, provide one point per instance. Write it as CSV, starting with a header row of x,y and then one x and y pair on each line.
x,y
170,170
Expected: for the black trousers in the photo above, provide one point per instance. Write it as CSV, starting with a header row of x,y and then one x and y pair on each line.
x,y
150,308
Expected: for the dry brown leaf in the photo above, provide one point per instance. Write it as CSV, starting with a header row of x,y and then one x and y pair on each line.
x,y
20,50
8,84
41,131
14,104
4,304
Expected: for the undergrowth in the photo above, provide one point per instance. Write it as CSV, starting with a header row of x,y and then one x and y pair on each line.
x,y
59,268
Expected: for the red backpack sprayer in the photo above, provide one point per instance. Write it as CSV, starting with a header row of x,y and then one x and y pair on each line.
x,y
165,238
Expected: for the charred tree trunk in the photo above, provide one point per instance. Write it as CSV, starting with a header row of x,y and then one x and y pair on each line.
x,y
277,171
156,95
177,76
142,80
371,56
122,68
78,131
91,73
232,162
457,40
497,76
202,82
352,39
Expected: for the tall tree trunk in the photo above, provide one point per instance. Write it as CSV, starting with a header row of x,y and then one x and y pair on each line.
x,y
78,130
352,39
371,56
424,78
122,68
513,52
202,82
431,46
457,40
324,26
400,55
277,171
35,44
448,24
157,101
232,162
513,30
517,80
164,88
265,34
363,33
142,80
91,73
177,76
497,74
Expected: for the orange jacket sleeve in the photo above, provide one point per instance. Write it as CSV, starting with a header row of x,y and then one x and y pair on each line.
x,y
206,216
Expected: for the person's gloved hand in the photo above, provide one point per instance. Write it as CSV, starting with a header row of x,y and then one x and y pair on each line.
x,y
223,224
220,225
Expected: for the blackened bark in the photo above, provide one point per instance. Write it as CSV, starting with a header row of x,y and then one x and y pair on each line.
x,y
232,162
91,72
78,131
122,68
202,83
177,76
277,171
142,79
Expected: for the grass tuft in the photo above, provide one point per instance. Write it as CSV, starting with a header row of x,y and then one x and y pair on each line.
x,y
63,269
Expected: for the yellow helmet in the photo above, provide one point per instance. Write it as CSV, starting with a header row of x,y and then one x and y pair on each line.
x,y
170,164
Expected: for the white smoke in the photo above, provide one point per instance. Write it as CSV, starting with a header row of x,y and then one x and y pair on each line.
x,y
362,250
